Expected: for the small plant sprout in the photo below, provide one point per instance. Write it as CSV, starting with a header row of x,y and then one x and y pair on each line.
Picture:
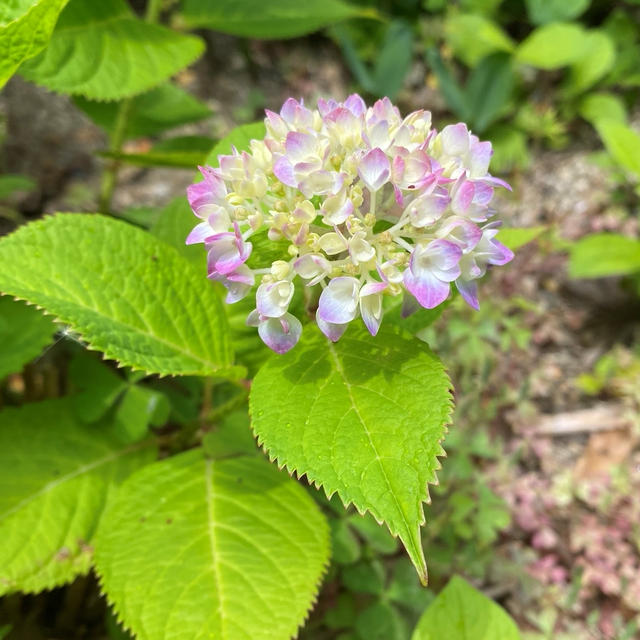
x,y
365,204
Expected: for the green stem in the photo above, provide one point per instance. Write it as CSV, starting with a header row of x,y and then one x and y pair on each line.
x,y
153,10
110,173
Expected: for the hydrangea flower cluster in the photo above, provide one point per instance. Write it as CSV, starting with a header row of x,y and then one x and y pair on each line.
x,y
370,204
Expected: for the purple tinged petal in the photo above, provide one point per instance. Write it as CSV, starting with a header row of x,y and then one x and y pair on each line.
x,y
481,153
238,283
299,146
500,254
427,289
333,331
338,302
280,334
283,170
355,104
492,180
463,194
371,305
199,233
374,169
469,291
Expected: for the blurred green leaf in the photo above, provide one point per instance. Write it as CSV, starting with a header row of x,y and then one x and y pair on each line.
x,y
231,436
10,183
544,11
461,612
345,548
376,535
510,148
24,332
449,87
622,142
553,46
380,621
516,238
604,254
186,152
603,106
405,590
488,90
240,137
268,20
472,37
342,614
162,108
394,60
173,225
364,577
598,59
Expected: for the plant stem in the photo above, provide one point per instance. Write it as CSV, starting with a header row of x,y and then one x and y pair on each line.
x,y
153,10
110,173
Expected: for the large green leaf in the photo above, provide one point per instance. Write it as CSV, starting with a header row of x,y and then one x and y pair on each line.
x,y
363,417
24,333
622,142
553,46
460,612
161,108
273,19
604,254
55,478
196,548
174,224
515,238
128,294
25,29
102,51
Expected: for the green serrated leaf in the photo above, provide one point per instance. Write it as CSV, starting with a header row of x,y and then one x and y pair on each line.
x,y
604,254
24,31
363,417
553,46
55,478
129,295
100,50
162,108
238,550
24,333
461,612
273,19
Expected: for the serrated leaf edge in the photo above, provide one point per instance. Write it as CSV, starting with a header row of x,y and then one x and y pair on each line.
x,y
291,470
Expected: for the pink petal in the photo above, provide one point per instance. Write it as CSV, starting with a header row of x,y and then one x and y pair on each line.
x,y
427,289
374,169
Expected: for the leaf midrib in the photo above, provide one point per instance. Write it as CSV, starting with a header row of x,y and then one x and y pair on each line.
x,y
60,318
85,468
348,386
